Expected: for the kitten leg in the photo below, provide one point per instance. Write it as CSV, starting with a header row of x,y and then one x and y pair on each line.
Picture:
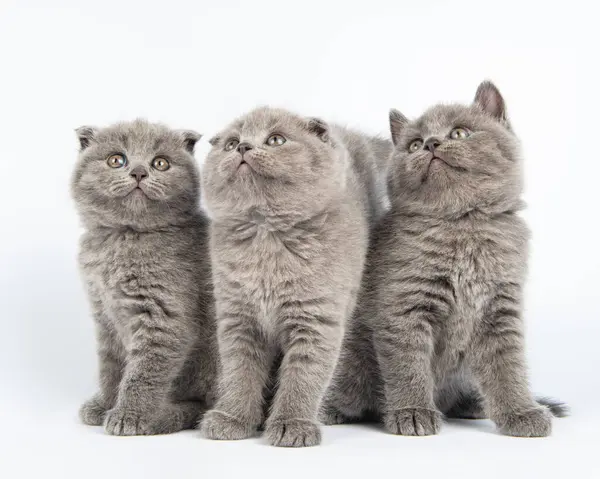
x,y
311,345
245,361
159,347
404,340
498,363
110,359
353,392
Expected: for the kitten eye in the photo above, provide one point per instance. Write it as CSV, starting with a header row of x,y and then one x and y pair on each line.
x,y
160,163
276,140
116,161
231,144
459,133
415,145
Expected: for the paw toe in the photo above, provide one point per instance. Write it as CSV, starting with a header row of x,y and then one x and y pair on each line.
x,y
413,422
222,426
120,422
534,423
92,412
293,433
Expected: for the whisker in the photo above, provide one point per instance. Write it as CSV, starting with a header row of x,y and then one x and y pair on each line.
x,y
119,186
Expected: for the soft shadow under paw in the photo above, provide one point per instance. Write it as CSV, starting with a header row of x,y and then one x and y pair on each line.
x,y
413,422
92,412
534,423
221,426
293,433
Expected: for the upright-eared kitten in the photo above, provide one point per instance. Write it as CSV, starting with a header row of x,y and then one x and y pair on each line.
x,y
145,261
439,326
291,200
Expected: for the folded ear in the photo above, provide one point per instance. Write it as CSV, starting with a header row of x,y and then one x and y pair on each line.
x,y
190,138
489,99
85,135
397,123
318,127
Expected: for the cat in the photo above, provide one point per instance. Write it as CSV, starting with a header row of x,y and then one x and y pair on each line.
x,y
438,329
145,261
291,200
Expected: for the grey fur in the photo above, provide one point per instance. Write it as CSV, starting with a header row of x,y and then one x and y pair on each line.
x,y
145,261
288,242
439,326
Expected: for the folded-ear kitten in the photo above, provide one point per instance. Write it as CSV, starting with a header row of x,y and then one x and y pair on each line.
x,y
292,199
145,262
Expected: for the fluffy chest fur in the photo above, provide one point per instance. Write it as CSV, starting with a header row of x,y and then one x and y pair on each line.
x,y
265,267
467,251
131,273
470,257
484,255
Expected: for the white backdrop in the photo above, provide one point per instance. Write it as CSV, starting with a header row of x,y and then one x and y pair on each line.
x,y
197,64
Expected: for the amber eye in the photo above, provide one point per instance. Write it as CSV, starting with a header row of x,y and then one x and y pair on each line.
x,y
160,163
275,140
415,145
231,144
116,161
459,133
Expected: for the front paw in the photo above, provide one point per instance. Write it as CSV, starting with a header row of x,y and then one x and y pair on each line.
x,y
413,422
534,423
124,422
219,425
93,411
293,433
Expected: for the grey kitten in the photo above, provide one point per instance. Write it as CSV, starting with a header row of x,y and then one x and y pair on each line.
x,y
442,301
145,261
291,200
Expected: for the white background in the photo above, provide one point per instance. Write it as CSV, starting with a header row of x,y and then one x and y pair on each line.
x,y
197,65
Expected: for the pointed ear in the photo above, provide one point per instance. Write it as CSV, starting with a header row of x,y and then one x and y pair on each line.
x,y
489,99
397,123
214,140
318,127
86,134
190,138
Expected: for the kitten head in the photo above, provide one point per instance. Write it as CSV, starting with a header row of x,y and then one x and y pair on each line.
x,y
456,158
135,174
272,161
